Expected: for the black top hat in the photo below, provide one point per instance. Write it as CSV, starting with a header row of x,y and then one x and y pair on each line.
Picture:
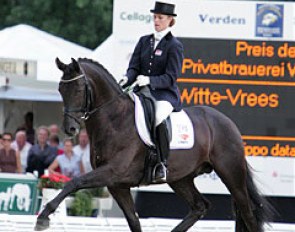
x,y
164,8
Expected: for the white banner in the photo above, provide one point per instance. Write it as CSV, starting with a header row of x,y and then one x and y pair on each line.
x,y
273,176
210,19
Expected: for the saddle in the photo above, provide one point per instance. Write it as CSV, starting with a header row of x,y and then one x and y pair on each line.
x,y
148,104
179,128
152,157
179,125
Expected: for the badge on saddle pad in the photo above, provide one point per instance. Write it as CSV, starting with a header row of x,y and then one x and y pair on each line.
x,y
182,128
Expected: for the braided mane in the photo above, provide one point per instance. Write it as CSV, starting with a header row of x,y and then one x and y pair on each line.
x,y
101,67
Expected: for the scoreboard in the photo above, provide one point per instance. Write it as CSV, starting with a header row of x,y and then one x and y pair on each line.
x,y
252,82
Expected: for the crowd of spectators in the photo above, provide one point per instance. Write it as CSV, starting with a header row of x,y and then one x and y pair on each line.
x,y
42,150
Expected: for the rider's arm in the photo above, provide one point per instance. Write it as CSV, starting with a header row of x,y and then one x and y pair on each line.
x,y
134,65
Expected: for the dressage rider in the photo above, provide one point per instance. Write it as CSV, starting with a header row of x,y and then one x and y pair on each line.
x,y
156,62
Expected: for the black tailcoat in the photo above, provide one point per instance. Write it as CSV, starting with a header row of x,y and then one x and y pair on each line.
x,y
162,64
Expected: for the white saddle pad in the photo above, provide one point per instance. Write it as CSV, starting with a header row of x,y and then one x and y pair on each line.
x,y
182,128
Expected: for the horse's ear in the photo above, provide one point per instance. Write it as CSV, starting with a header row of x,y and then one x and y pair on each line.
x,y
61,66
76,65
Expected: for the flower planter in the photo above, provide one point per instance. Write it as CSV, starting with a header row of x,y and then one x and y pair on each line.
x,y
47,195
104,204
100,203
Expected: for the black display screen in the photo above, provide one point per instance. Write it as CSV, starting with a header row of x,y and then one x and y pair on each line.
x,y
252,82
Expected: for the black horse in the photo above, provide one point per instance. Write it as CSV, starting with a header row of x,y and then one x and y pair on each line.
x,y
91,94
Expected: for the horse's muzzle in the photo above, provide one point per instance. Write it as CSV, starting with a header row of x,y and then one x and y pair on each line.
x,y
71,128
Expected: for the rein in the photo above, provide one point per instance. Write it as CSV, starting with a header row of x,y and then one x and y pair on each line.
x,y
86,109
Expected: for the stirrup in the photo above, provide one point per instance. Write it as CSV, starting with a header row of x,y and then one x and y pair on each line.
x,y
161,179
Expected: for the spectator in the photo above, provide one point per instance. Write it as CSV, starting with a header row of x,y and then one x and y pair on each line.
x,y
53,129
28,127
41,155
1,142
54,142
70,163
9,158
83,149
21,145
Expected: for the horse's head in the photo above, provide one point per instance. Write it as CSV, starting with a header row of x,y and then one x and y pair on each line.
x,y
86,88
73,89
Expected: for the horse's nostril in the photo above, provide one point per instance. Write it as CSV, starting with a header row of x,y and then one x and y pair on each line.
x,y
72,130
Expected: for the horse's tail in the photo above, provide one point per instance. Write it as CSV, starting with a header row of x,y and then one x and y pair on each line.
x,y
262,209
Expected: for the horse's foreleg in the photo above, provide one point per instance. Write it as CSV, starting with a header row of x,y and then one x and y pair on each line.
x,y
125,201
96,178
43,218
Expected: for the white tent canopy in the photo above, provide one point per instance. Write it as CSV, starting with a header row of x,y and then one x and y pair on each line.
x,y
27,94
114,54
104,53
27,42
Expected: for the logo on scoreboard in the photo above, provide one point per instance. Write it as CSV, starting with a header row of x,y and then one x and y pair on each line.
x,y
269,20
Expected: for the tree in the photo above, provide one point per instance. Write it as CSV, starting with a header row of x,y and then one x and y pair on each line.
x,y
86,22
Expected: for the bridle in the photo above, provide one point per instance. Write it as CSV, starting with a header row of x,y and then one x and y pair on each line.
x,y
87,103
86,106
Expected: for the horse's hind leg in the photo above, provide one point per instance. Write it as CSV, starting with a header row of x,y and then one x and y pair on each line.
x,y
124,199
232,171
245,220
186,189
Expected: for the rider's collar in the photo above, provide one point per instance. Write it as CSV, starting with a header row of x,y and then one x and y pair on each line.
x,y
161,34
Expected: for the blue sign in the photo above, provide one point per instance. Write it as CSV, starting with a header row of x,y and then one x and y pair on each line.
x,y
269,20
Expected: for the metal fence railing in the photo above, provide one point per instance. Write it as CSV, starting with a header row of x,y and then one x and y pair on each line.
x,y
25,223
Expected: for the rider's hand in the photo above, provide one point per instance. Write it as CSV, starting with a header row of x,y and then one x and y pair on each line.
x,y
123,81
143,80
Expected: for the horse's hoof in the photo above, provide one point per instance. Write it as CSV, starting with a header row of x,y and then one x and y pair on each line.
x,y
41,224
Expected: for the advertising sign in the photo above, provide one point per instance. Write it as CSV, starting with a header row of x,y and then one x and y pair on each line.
x,y
18,194
18,68
209,19
269,20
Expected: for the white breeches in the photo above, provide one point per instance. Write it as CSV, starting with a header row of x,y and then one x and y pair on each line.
x,y
163,110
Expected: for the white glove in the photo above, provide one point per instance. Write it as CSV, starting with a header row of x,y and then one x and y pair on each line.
x,y
123,81
143,80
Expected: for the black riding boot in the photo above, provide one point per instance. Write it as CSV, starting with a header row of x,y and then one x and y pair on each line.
x,y
162,144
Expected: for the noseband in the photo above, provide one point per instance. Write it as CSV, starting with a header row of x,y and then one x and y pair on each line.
x,y
88,101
